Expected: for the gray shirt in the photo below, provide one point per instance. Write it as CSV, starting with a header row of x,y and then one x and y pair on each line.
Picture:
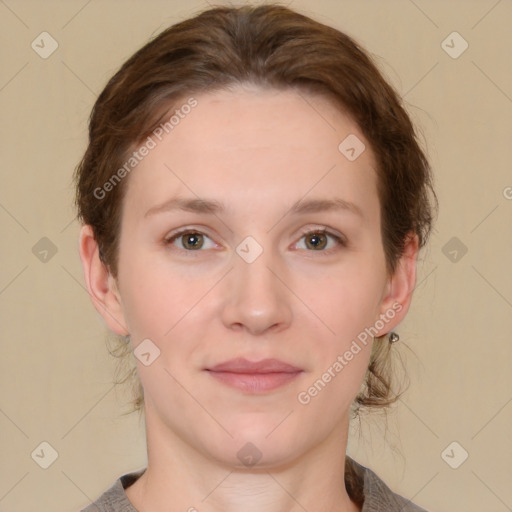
x,y
365,487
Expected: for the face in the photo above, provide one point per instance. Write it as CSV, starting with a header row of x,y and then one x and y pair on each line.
x,y
281,259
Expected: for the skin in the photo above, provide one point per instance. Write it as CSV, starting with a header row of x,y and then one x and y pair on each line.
x,y
258,152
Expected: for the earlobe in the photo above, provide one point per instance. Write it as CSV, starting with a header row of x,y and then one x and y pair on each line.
x,y
101,285
400,286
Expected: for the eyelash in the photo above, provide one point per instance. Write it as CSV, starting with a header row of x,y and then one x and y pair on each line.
x,y
317,231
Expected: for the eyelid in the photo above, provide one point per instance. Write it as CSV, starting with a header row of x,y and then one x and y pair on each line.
x,y
319,228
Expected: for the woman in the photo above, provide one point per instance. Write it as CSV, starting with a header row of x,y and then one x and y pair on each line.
x,y
253,200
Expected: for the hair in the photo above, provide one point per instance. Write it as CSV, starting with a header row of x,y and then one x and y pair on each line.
x,y
268,46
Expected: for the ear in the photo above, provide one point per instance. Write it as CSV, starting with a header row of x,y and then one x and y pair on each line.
x,y
398,294
101,285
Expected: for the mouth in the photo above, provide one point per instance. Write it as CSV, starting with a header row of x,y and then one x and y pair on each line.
x,y
254,377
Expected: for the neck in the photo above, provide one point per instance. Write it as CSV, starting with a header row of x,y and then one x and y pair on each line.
x,y
179,477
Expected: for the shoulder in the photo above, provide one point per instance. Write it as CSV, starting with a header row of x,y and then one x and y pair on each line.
x,y
378,497
115,499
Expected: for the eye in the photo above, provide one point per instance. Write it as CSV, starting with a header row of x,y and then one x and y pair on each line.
x,y
320,240
190,240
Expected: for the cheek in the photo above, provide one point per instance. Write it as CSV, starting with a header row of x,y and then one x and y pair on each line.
x,y
156,298
345,300
346,304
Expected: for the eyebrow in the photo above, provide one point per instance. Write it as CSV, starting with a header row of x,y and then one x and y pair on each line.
x,y
213,207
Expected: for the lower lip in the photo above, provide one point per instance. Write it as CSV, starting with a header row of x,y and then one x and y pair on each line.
x,y
255,382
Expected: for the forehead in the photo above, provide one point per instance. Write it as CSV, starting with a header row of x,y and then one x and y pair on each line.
x,y
245,117
256,145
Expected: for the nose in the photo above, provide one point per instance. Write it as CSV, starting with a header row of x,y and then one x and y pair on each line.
x,y
256,298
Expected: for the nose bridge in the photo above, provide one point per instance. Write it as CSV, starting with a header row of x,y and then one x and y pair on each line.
x,y
256,280
256,275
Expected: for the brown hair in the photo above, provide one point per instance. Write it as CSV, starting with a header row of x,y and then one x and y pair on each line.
x,y
273,47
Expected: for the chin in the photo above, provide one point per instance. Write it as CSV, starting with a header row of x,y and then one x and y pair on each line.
x,y
259,444
259,455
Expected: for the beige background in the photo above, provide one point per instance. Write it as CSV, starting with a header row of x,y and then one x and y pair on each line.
x,y
56,375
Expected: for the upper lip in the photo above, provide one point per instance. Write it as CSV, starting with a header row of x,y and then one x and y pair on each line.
x,y
242,365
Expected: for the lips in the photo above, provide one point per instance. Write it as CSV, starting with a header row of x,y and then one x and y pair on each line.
x,y
241,365
254,377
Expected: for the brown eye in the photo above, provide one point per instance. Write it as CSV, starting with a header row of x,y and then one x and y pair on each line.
x,y
321,241
192,241
316,241
189,240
